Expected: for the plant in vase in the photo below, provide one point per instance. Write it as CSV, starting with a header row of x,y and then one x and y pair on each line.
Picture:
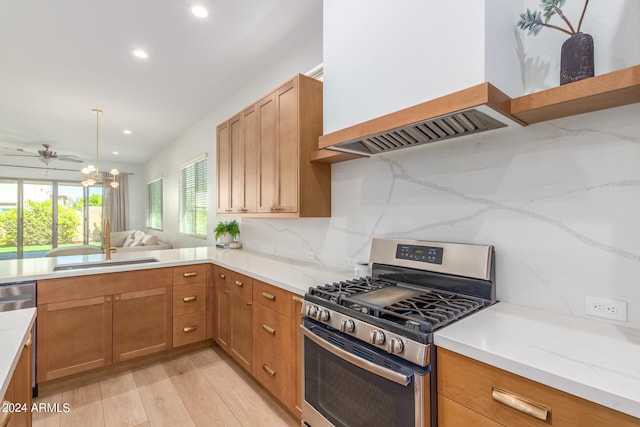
x,y
227,232
576,56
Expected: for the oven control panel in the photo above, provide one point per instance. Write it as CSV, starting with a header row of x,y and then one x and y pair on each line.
x,y
428,254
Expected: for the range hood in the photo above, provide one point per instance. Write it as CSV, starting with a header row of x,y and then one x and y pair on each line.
x,y
467,112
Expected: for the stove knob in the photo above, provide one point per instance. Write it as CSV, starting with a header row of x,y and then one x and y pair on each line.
x,y
323,315
312,311
396,346
376,337
347,326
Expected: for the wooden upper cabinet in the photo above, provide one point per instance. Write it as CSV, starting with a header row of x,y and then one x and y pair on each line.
x,y
230,166
279,133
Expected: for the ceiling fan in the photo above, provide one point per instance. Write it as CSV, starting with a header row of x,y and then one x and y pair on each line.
x,y
46,156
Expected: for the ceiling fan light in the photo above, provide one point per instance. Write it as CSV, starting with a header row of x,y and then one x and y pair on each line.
x,y
114,184
46,160
114,172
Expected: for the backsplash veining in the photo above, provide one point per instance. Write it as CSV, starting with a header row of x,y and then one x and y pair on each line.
x,y
560,201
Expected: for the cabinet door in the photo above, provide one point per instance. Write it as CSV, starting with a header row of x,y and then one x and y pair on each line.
x,y
73,336
19,389
241,330
286,197
267,153
251,147
223,167
236,148
223,316
142,323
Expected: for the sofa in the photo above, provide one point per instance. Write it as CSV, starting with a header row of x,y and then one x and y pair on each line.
x,y
137,241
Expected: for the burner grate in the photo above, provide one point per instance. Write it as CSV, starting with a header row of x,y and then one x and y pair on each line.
x,y
335,292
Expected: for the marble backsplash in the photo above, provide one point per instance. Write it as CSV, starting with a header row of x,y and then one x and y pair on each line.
x,y
560,201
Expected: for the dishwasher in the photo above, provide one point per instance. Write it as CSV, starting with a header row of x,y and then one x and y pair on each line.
x,y
15,296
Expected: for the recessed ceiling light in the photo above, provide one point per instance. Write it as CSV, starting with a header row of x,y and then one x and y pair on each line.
x,y
139,53
115,153
199,11
126,132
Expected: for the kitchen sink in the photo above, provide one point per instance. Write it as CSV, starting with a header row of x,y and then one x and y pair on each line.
x,y
104,263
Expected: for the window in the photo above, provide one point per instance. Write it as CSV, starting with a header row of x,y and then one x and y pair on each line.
x,y
154,207
193,198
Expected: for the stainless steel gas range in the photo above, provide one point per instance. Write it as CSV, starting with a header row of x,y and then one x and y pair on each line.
x,y
368,342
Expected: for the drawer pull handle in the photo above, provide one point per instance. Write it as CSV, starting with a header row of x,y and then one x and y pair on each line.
x,y
239,283
29,340
269,329
297,299
269,370
227,291
222,276
190,299
190,274
108,299
188,329
521,404
269,296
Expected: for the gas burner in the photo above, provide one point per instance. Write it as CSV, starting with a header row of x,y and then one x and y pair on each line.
x,y
335,292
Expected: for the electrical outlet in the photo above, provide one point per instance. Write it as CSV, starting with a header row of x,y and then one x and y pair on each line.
x,y
310,255
606,308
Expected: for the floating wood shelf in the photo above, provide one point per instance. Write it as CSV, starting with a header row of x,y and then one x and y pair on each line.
x,y
609,90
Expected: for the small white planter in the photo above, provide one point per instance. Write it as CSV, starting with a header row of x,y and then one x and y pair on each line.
x,y
226,238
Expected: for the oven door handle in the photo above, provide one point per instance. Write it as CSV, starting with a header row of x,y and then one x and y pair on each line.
x,y
355,360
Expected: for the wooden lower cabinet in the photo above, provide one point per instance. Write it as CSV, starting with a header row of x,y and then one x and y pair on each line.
x,y
142,323
233,313
74,336
189,304
19,390
91,321
469,392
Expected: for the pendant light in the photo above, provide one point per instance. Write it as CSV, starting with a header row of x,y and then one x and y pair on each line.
x,y
92,173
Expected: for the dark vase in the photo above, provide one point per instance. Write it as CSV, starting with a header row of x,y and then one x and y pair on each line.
x,y
576,58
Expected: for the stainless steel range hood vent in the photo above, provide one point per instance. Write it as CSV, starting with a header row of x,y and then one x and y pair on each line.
x,y
470,111
432,130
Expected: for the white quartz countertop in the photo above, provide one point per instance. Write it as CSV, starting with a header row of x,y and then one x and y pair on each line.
x,y
14,333
597,361
292,275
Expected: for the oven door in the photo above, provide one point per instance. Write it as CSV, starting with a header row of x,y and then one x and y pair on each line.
x,y
350,383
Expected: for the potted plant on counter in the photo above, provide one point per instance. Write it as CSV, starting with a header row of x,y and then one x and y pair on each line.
x,y
227,231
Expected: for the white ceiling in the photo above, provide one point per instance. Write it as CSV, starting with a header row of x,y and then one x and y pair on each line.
x,y
60,59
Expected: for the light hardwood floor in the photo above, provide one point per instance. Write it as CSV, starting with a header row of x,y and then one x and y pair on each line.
x,y
203,388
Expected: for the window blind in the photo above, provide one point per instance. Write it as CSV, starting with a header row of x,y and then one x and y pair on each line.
x,y
193,199
154,207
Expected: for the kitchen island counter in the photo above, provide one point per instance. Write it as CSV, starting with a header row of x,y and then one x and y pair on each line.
x,y
594,360
289,274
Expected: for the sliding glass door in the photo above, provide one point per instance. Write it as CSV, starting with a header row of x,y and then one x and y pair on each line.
x,y
37,216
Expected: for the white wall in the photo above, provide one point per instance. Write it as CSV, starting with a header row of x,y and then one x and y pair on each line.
x,y
202,136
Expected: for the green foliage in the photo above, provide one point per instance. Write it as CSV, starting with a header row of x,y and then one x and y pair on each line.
x,y
534,21
230,227
95,200
38,224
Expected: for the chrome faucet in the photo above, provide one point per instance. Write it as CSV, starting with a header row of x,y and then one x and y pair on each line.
x,y
106,229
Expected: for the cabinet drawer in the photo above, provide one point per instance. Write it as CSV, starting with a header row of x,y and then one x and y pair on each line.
x,y
270,296
272,330
273,372
189,328
189,274
477,385
239,284
452,414
189,298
